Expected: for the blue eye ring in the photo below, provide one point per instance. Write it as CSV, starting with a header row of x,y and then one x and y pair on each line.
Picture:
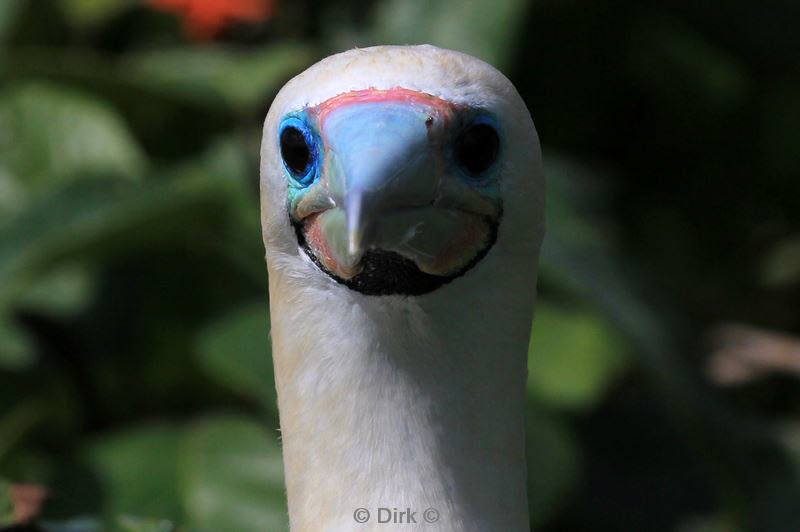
x,y
298,145
477,148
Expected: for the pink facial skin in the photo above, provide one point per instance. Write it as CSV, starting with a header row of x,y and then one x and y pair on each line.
x,y
398,95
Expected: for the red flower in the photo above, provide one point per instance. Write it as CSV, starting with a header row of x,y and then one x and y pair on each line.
x,y
203,19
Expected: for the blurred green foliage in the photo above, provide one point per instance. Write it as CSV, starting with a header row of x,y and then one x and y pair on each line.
x,y
135,373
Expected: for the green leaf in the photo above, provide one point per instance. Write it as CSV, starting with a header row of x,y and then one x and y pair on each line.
x,y
64,291
84,13
27,465
17,351
243,79
51,134
9,12
87,218
781,265
6,504
18,420
129,523
555,465
780,116
76,524
709,523
235,350
789,437
488,29
581,260
232,476
137,468
574,356
688,58
169,120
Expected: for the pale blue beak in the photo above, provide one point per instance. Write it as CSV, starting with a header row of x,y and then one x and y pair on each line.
x,y
381,158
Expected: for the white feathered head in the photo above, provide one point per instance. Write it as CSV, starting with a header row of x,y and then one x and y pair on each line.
x,y
397,170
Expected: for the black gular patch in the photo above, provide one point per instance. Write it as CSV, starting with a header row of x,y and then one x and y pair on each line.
x,y
387,273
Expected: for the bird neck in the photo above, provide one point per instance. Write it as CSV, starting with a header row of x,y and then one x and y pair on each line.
x,y
397,405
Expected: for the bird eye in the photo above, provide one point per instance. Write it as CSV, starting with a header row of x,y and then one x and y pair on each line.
x,y
297,150
477,147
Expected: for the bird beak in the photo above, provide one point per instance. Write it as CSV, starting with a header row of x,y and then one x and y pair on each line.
x,y
382,160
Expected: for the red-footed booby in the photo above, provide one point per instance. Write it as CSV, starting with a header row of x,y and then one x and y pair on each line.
x,y
402,199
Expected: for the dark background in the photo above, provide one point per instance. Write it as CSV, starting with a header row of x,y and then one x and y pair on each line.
x,y
135,377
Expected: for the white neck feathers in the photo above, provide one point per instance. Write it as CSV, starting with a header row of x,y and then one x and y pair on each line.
x,y
403,403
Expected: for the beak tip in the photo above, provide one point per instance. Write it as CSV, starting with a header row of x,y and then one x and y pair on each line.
x,y
355,222
353,242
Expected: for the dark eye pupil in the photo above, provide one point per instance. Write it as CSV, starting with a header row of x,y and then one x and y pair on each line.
x,y
295,150
477,148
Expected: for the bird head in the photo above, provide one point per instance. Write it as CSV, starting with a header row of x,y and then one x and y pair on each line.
x,y
396,170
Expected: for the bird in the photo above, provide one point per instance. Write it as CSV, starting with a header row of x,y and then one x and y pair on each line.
x,y
402,212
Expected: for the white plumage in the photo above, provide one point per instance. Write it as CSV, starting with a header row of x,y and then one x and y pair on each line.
x,y
404,401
